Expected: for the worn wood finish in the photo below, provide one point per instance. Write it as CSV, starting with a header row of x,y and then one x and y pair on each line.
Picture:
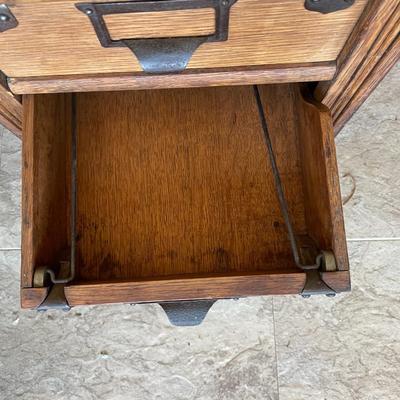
x,y
281,73
59,40
176,198
168,23
174,182
32,297
184,288
323,204
10,109
388,60
361,59
44,182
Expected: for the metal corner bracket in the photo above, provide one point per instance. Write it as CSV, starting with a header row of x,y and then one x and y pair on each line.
x,y
7,18
327,6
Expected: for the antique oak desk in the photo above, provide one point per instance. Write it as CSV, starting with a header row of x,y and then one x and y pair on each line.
x,y
182,151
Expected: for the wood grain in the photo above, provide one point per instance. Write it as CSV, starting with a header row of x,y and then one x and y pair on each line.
x,y
176,198
44,182
32,298
339,281
362,60
211,287
168,23
323,202
174,182
10,109
281,73
387,61
59,40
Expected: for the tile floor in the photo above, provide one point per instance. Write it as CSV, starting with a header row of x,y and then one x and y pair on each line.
x,y
281,348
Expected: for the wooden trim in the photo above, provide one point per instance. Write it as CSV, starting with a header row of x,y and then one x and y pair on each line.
x,y
385,64
136,292
10,109
178,289
33,297
367,54
284,73
339,281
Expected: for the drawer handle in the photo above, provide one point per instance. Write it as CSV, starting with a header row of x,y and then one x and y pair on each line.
x,y
159,55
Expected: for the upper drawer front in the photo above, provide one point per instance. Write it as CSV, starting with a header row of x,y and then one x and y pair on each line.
x,y
54,38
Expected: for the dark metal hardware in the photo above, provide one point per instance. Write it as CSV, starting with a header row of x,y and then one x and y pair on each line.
x,y
187,313
325,260
159,55
7,18
327,6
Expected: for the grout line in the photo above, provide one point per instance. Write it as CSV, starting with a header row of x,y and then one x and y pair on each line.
x,y
10,249
276,352
375,239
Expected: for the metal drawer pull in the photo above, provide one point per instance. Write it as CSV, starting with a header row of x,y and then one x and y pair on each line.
x,y
159,55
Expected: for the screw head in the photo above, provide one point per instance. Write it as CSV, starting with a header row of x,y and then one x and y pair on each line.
x,y
88,11
4,17
225,3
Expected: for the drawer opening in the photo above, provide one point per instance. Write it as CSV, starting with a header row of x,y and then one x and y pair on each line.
x,y
175,193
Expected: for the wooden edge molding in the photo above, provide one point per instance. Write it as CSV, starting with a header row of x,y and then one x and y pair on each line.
x,y
385,64
33,297
285,73
339,281
10,108
366,57
185,289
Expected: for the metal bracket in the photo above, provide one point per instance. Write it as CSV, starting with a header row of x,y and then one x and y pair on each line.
x,y
7,19
187,313
159,55
327,6
56,296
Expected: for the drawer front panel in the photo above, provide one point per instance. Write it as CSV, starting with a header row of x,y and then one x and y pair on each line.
x,y
54,38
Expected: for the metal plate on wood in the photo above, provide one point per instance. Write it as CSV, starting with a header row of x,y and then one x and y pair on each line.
x,y
327,6
159,55
7,19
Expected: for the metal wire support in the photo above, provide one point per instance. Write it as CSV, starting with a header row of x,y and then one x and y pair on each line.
x,y
281,196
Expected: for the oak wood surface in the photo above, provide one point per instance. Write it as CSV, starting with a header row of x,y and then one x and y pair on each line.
x,y
280,73
44,182
387,61
59,40
174,182
366,57
323,202
211,287
33,297
175,191
10,108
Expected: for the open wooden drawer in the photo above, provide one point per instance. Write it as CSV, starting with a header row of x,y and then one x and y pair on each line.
x,y
176,197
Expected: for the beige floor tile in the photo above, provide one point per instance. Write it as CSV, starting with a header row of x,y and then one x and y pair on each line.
x,y
132,352
10,190
346,348
369,150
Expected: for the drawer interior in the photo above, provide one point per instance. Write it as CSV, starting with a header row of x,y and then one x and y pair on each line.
x,y
175,194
